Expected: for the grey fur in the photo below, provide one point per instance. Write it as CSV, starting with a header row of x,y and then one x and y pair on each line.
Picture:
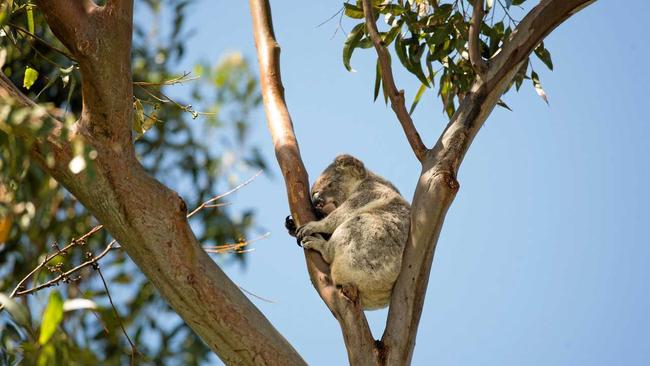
x,y
368,221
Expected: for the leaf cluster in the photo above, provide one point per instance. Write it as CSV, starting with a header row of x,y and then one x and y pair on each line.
x,y
431,41
198,148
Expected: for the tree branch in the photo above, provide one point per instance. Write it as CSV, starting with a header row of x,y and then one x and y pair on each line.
x,y
67,19
478,64
145,217
437,185
356,333
396,96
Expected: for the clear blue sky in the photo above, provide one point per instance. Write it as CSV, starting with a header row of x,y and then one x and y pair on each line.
x,y
545,255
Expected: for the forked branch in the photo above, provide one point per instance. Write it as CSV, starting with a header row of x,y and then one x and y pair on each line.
x,y
396,96
437,185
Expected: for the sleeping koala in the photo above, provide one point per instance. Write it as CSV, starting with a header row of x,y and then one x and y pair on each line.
x,y
363,232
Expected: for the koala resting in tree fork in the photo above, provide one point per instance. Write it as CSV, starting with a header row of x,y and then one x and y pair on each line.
x,y
363,232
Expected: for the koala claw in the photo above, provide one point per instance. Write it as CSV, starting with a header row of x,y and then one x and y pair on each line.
x,y
309,229
311,242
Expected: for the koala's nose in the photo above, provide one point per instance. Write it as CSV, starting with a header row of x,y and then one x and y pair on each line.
x,y
316,199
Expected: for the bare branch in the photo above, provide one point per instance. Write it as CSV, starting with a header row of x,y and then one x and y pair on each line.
x,y
356,333
437,185
9,91
478,64
396,96
134,349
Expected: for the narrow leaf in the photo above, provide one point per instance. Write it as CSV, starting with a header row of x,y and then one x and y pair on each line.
x,y
418,95
377,82
538,86
30,18
17,310
52,317
30,77
543,54
502,104
351,43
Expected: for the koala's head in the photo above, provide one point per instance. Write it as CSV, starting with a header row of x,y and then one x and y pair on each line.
x,y
337,182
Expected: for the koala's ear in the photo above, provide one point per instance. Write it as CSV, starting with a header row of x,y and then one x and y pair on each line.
x,y
350,163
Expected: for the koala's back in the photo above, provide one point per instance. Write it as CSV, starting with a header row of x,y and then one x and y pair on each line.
x,y
370,242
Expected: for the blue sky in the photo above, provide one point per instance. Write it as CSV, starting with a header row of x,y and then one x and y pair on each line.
x,y
544,258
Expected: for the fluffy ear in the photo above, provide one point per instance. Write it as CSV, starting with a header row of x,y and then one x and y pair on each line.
x,y
350,163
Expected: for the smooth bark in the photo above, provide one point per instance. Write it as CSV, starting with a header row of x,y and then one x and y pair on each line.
x,y
147,218
345,307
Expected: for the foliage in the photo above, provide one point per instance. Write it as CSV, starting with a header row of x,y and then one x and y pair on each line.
x,y
175,143
430,39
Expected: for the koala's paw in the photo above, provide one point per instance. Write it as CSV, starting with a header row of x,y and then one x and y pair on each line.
x,y
312,242
309,229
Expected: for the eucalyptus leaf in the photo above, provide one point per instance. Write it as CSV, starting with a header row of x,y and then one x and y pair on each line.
x,y
351,43
30,77
418,95
52,317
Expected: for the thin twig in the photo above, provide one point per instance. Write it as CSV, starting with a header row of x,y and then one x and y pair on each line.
x,y
234,247
134,349
396,96
41,41
66,274
112,245
48,258
177,80
220,196
257,296
478,64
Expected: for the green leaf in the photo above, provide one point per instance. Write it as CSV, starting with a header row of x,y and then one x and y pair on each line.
x,y
17,310
389,37
415,55
52,317
400,49
377,82
418,95
30,18
352,11
351,43
538,86
502,104
543,54
47,356
30,77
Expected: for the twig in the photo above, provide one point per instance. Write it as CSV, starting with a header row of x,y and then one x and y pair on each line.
x,y
396,96
478,64
224,248
66,274
41,41
177,80
134,349
220,196
18,292
48,258
257,296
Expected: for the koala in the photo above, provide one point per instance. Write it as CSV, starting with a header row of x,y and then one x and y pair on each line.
x,y
363,231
